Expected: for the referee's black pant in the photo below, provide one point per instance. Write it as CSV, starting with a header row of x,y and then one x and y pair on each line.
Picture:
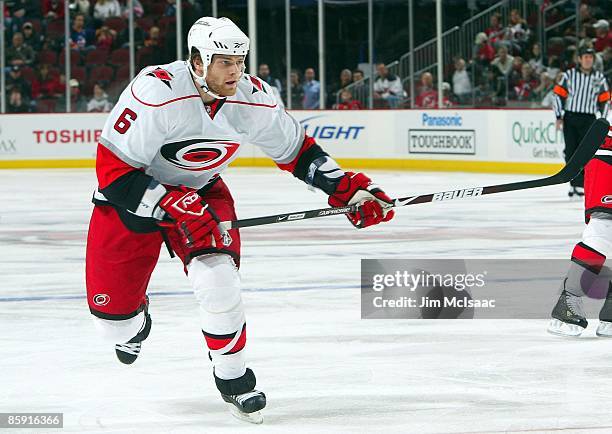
x,y
575,126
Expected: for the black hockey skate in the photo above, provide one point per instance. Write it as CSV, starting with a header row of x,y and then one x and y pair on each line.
x,y
244,401
128,352
576,192
604,329
568,318
246,406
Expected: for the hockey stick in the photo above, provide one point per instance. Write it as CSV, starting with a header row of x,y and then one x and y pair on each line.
x,y
589,144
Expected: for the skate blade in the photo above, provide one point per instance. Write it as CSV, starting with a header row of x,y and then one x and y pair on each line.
x,y
604,329
256,417
561,328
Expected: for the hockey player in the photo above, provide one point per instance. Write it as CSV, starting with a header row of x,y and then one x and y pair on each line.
x,y
589,255
174,130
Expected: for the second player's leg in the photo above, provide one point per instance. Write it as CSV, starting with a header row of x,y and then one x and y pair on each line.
x,y
589,255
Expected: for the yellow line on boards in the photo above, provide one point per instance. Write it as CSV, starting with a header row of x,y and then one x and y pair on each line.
x,y
426,165
47,164
355,163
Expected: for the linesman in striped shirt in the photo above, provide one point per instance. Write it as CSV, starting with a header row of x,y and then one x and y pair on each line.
x,y
580,96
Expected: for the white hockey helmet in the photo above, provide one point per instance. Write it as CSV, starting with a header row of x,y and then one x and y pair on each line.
x,y
212,36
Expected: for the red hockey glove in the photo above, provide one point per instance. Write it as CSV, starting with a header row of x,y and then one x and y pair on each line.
x,y
192,217
374,204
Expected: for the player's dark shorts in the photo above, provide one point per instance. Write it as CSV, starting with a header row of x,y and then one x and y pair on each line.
x,y
120,261
598,184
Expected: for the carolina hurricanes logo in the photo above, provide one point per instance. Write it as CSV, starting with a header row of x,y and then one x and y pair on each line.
x,y
163,75
199,154
606,199
101,299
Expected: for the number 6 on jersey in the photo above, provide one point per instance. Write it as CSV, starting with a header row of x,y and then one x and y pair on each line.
x,y
123,124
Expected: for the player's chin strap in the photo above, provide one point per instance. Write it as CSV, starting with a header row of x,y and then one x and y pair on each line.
x,y
201,81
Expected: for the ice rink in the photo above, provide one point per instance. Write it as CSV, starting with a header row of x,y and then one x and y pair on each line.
x,y
323,369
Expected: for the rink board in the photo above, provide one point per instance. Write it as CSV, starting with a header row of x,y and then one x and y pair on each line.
x,y
498,141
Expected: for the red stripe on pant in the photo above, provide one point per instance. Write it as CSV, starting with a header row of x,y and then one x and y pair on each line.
x,y
588,257
218,342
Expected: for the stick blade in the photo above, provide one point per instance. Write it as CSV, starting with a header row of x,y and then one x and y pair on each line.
x,y
591,141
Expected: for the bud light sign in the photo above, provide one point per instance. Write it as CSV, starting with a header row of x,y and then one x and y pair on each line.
x,y
323,128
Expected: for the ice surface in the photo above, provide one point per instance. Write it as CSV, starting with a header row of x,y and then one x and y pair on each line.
x,y
322,367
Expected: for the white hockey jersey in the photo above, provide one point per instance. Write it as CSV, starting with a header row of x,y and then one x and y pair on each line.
x,y
161,125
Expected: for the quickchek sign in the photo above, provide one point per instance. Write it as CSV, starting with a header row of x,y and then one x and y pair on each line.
x,y
538,139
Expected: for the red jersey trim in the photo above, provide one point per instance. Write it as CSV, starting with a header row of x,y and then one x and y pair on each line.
x,y
109,167
290,167
163,103
252,104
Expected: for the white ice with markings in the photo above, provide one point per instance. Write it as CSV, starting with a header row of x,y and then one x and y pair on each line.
x,y
323,369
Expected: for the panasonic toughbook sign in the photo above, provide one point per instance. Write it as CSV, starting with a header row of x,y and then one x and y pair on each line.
x,y
462,142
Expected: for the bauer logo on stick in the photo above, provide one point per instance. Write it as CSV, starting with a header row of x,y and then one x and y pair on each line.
x,y
456,194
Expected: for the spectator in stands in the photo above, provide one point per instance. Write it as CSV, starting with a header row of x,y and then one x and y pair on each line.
x,y
297,91
20,11
46,84
153,39
100,102
486,89
357,75
17,103
554,66
359,88
446,96
586,16
82,7
485,53
15,80
462,85
525,86
502,67
387,88
170,9
518,32
20,53
264,74
604,36
53,9
515,73
333,90
347,102
139,37
536,62
77,103
104,9
544,91
606,57
312,90
81,38
495,32
346,78
105,38
138,9
427,96
502,64
30,37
